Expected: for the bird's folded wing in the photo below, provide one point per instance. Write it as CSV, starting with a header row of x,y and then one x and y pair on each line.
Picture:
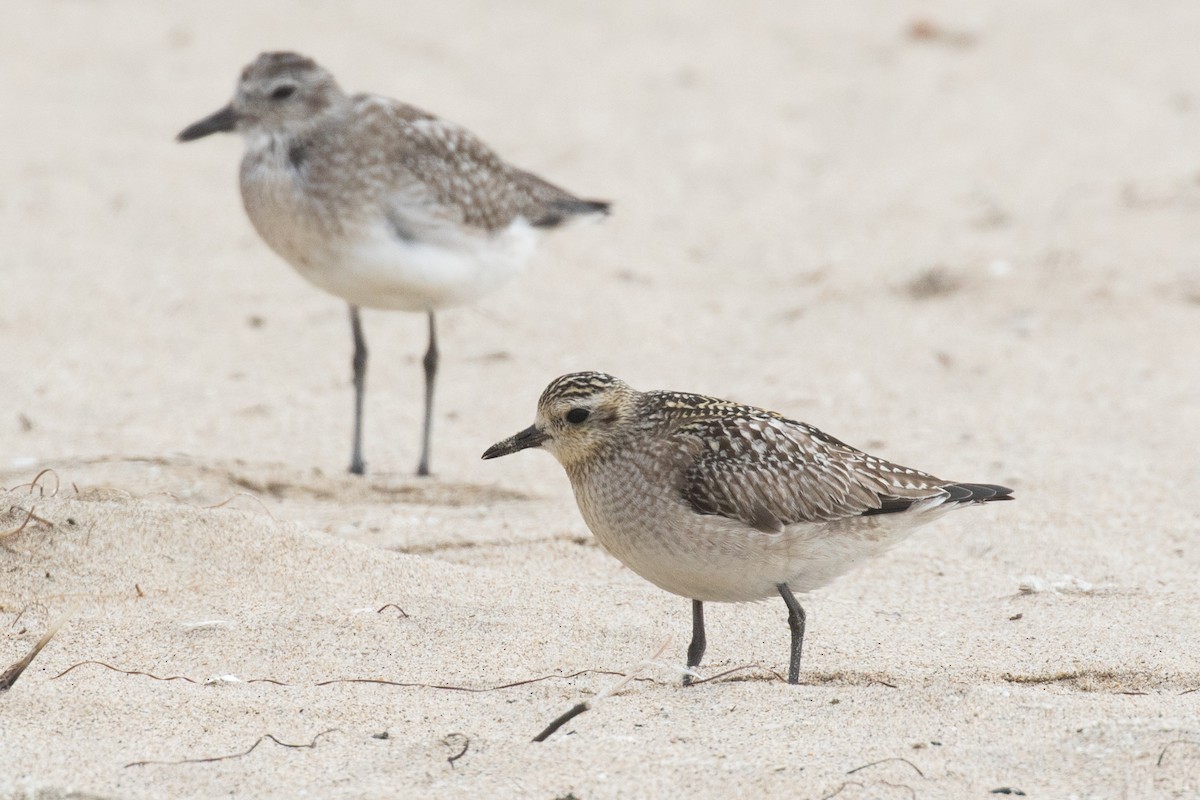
x,y
450,171
770,472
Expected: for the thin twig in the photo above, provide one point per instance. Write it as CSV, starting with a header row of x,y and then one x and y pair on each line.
x,y
34,484
884,761
37,479
775,675
451,688
151,675
403,613
449,740
1168,744
246,752
17,618
382,681
560,720
221,504
19,528
418,685
124,671
579,708
10,675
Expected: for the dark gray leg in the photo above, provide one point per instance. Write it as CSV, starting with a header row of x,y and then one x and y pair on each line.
x,y
431,365
796,623
357,466
696,648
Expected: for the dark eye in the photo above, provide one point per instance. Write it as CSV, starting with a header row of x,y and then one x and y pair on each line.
x,y
577,415
283,92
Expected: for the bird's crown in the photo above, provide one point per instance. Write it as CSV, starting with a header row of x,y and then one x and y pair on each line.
x,y
283,90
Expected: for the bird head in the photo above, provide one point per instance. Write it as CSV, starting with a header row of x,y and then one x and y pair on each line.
x,y
277,92
579,417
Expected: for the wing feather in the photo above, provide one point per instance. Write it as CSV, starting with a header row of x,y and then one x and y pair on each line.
x,y
769,472
442,169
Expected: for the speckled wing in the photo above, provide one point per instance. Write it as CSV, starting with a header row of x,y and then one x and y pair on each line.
x,y
441,170
770,472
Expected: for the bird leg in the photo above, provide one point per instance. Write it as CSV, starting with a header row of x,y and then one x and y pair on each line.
x,y
357,467
696,648
796,623
431,364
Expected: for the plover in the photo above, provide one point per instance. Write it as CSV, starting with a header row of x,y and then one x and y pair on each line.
x,y
717,501
380,203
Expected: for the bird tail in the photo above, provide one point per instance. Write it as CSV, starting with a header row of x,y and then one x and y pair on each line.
x,y
575,206
554,204
977,492
556,212
959,493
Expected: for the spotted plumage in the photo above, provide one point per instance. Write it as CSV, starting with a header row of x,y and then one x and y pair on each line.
x,y
379,202
719,501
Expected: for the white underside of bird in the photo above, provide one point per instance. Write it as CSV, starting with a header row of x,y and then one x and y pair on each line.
x,y
379,270
401,256
714,558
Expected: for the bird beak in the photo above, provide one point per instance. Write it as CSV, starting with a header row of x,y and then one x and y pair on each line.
x,y
222,121
530,437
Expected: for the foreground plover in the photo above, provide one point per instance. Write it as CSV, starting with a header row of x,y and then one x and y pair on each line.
x,y
379,202
713,500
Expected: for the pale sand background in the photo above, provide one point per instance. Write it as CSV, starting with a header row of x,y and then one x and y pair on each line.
x,y
782,173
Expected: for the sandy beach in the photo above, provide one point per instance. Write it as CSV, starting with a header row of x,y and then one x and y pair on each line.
x,y
959,236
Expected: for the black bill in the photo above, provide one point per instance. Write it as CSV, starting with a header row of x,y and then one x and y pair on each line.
x,y
222,121
530,437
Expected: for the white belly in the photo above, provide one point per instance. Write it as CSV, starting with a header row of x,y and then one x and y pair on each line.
x,y
344,243
380,270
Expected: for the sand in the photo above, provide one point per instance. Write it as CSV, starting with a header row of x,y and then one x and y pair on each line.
x,y
960,236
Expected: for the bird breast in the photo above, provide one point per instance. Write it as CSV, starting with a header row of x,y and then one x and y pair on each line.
x,y
293,221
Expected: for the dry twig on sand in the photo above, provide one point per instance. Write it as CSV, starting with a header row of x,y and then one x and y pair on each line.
x,y
229,756
10,675
579,708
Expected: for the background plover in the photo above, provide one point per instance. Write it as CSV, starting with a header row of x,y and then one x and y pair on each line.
x,y
380,203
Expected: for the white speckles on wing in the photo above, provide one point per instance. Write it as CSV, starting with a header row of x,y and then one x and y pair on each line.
x,y
755,461
464,178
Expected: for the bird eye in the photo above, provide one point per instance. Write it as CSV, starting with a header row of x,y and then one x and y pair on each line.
x,y
283,92
577,415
